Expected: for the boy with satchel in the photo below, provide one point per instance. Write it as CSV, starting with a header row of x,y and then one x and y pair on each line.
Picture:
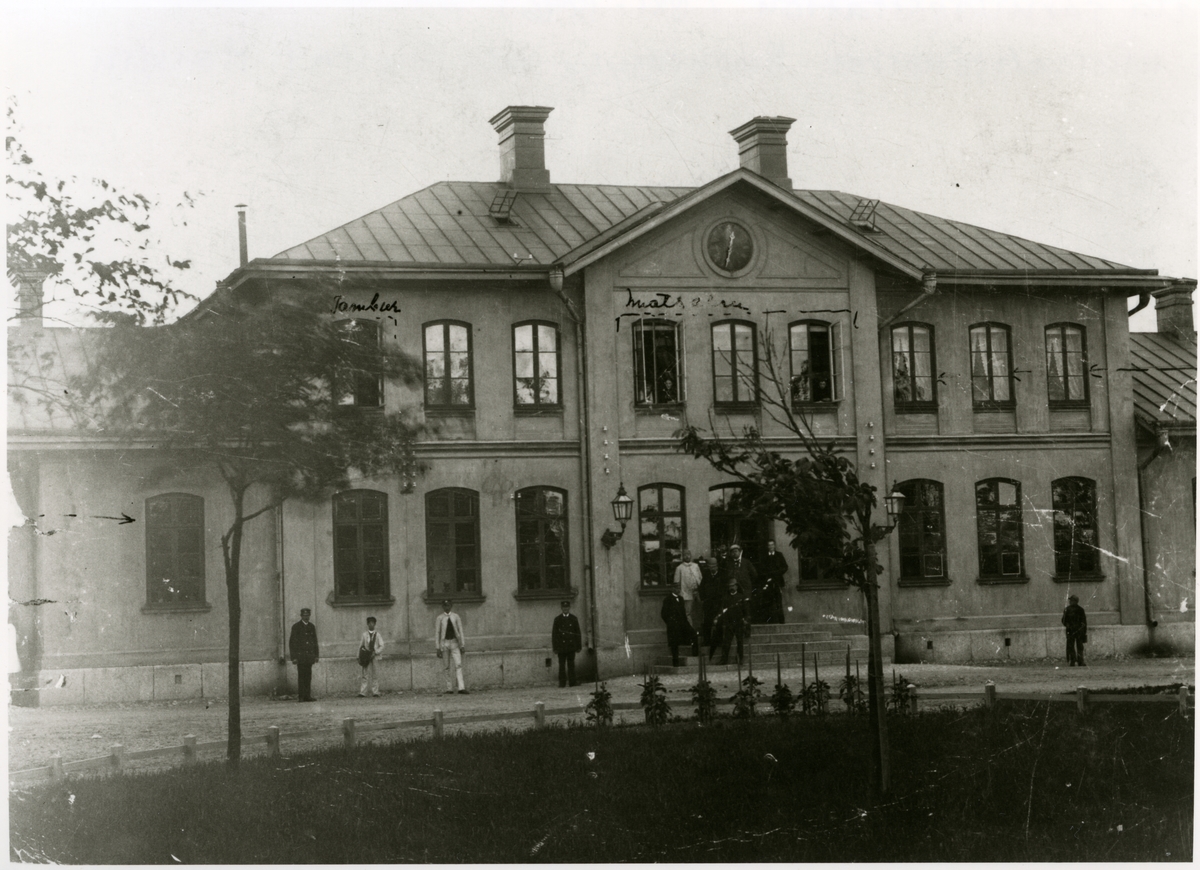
x,y
369,649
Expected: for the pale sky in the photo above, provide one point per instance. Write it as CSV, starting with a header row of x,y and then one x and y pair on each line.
x,y
1075,128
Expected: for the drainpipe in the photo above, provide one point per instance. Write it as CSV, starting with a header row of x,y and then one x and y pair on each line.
x,y
928,288
1143,301
1163,446
556,285
283,626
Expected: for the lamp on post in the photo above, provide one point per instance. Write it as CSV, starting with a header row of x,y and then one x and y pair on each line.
x,y
622,507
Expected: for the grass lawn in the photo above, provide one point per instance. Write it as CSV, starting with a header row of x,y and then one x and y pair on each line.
x,y
1030,782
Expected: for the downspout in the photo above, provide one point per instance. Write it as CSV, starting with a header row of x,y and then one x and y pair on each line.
x,y
1163,446
928,288
1143,301
283,626
556,285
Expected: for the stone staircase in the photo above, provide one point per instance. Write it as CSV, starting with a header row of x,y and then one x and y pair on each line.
x,y
816,643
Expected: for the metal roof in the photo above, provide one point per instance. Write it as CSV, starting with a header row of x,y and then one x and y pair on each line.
x,y
449,223
1164,379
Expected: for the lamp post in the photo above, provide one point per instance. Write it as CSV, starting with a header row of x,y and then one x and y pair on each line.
x,y
894,503
622,507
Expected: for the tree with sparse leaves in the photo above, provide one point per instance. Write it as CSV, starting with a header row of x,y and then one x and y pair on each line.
x,y
826,509
258,387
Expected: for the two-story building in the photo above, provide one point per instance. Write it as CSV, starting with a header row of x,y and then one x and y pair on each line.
x,y
568,331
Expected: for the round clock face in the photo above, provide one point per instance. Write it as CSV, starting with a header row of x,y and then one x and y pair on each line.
x,y
729,246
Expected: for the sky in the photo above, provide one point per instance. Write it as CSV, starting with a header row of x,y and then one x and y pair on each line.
x,y
1074,127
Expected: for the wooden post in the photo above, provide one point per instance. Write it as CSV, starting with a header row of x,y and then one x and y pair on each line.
x,y
539,714
439,729
1183,699
847,664
989,695
56,769
912,699
118,756
778,670
273,741
817,682
803,665
1081,698
189,748
348,733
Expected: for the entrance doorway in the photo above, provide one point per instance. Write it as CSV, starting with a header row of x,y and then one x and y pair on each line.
x,y
730,521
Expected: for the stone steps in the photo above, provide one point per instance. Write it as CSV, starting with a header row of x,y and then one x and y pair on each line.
x,y
789,644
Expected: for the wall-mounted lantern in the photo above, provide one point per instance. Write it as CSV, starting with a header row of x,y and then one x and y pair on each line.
x,y
622,507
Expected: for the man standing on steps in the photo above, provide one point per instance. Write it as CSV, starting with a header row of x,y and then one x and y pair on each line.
x,y
304,653
1074,619
451,644
773,568
738,581
687,579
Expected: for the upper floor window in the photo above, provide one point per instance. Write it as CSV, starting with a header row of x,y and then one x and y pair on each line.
x,y
174,549
812,347
914,387
452,542
657,363
1001,535
991,366
359,387
922,531
662,532
535,365
448,368
541,539
1066,365
735,363
360,545
1075,541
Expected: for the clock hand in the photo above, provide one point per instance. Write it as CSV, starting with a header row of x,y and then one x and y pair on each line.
x,y
729,250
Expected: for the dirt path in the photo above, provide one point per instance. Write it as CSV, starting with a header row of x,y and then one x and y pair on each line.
x,y
78,733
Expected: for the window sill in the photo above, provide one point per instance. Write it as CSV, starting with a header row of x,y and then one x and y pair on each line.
x,y
923,581
736,408
538,410
455,598
830,405
546,595
1000,408
916,408
188,607
1002,581
379,601
664,408
821,585
466,411
347,410
1076,405
1077,578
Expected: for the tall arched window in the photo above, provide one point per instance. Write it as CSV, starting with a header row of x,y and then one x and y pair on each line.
x,y
1066,365
922,532
735,363
813,353
1076,542
914,384
174,550
535,365
542,539
662,532
1001,535
449,381
359,386
452,542
657,363
360,546
991,366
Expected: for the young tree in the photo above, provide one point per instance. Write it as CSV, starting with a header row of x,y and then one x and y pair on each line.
x,y
827,511
259,387
88,239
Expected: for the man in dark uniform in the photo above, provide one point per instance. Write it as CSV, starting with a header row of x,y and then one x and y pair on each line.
x,y
773,568
710,601
1075,621
737,583
303,650
567,639
679,630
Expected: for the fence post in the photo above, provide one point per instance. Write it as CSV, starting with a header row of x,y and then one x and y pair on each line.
x,y
539,714
989,695
439,729
1183,699
1081,694
56,768
348,732
273,741
118,756
912,699
189,748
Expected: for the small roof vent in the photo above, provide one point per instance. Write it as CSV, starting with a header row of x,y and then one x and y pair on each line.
x,y
863,215
501,207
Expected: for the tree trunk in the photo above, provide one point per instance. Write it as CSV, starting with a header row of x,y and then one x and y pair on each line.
x,y
233,560
878,717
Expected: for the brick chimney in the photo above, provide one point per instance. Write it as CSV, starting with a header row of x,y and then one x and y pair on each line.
x,y
1173,306
522,146
30,297
762,148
